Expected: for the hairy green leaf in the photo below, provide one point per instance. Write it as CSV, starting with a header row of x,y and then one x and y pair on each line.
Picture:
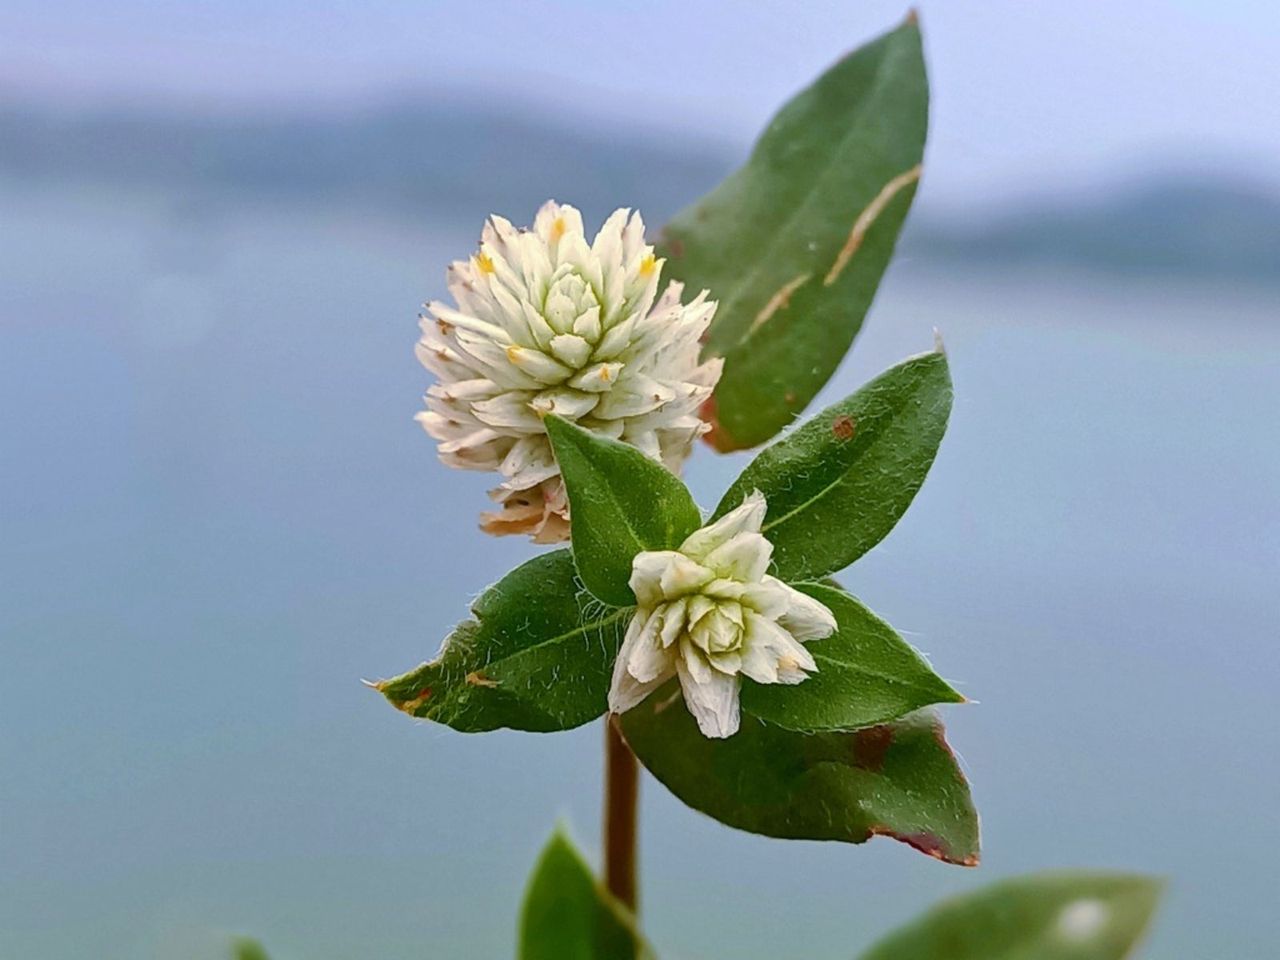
x,y
867,674
837,484
568,915
537,656
621,503
793,244
899,780
1052,916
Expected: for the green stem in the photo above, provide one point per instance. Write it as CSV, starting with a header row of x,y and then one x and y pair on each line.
x,y
621,796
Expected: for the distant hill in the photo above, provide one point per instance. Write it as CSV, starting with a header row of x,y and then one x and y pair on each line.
x,y
431,162
411,159
1183,226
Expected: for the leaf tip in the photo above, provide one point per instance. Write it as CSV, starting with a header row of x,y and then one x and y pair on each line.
x,y
912,18
931,845
938,345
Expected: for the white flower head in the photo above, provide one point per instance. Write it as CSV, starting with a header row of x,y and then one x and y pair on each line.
x,y
546,322
709,614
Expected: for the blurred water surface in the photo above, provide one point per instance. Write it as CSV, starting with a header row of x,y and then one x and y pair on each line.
x,y
216,516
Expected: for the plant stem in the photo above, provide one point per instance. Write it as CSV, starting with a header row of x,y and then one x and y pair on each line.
x,y
621,793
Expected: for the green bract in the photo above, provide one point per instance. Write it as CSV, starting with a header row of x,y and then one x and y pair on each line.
x,y
568,915
867,674
623,503
536,657
841,481
793,245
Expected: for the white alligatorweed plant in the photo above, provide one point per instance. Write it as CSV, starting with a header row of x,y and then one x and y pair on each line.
x,y
561,367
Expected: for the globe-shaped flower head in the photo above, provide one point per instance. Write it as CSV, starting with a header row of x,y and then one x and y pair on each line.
x,y
546,322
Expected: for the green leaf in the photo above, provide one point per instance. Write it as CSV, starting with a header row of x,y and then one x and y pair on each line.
x,y
1053,916
867,674
568,915
793,244
245,949
899,780
621,503
538,656
837,485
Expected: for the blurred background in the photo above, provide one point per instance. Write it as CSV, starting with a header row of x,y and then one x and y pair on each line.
x,y
217,221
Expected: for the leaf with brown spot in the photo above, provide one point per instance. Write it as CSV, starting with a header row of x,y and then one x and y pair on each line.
x,y
793,244
825,786
837,484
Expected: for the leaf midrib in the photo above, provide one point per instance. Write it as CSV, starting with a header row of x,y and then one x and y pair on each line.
x,y
867,671
581,628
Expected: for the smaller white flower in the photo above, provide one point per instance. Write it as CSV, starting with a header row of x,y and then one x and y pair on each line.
x,y
709,614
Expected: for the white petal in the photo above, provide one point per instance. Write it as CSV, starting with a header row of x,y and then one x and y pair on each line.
x,y
646,576
626,691
748,517
682,576
729,662
493,358
648,659
570,349
617,338
564,402
722,589
528,463
632,396
743,557
806,619
714,704
597,378
759,662
645,442
674,617
587,325
439,358
693,661
455,318
789,656
509,411
537,364
770,597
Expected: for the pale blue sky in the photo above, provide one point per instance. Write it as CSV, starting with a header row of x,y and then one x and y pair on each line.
x,y
1029,96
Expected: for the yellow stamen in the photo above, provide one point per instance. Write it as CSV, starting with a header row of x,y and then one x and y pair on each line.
x,y
484,262
647,265
557,228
